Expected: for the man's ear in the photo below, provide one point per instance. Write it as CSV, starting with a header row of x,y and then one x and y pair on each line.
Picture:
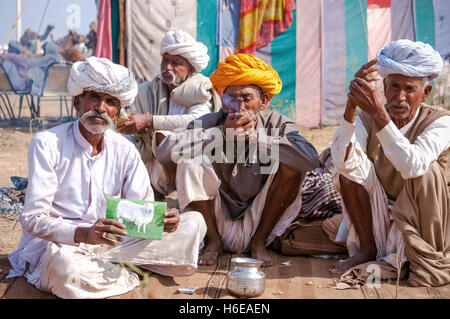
x,y
76,103
265,99
427,92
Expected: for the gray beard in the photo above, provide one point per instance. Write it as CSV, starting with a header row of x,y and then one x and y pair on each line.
x,y
96,129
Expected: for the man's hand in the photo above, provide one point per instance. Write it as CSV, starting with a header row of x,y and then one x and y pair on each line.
x,y
136,124
95,235
171,220
239,122
368,72
362,94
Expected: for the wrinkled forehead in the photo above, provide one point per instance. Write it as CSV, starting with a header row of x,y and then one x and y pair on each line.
x,y
102,95
404,79
243,90
174,58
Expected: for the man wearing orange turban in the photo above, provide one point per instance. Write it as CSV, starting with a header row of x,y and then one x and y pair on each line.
x,y
244,69
246,180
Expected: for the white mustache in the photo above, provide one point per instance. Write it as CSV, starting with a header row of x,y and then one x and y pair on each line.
x,y
402,104
94,129
94,113
175,81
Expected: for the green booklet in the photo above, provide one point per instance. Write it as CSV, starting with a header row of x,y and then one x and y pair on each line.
x,y
143,219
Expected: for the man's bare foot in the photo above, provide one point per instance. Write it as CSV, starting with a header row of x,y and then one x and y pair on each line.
x,y
259,251
210,253
358,259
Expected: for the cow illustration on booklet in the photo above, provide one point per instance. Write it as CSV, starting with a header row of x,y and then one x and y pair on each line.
x,y
143,219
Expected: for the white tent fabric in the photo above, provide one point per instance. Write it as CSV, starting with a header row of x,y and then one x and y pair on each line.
x,y
147,22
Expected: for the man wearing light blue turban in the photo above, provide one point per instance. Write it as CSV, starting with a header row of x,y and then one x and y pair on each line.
x,y
391,168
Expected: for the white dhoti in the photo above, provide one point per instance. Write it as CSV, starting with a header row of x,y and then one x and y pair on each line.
x,y
196,180
159,177
388,238
93,271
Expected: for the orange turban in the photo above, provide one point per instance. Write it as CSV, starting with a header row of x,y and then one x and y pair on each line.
x,y
245,69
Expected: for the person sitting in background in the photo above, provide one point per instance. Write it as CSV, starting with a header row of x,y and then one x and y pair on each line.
x,y
170,101
15,65
38,67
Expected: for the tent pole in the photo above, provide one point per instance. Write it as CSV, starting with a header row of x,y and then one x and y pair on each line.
x,y
19,20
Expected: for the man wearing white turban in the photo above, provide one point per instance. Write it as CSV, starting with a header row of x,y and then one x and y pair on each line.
x,y
170,101
391,169
67,247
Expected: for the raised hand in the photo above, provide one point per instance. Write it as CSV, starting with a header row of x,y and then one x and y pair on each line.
x,y
240,123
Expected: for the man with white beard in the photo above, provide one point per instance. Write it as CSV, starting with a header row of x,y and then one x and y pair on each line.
x,y
174,98
391,168
66,245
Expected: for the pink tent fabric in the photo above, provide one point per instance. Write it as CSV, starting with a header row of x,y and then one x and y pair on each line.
x,y
104,36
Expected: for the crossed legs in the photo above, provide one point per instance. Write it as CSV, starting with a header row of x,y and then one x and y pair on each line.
x,y
276,203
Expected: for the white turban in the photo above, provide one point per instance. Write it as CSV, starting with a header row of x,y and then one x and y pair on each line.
x,y
182,43
101,75
415,59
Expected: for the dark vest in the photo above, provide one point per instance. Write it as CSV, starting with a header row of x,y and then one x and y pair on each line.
x,y
390,178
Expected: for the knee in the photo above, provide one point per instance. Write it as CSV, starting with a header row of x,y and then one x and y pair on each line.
x,y
194,221
61,260
346,183
434,178
288,174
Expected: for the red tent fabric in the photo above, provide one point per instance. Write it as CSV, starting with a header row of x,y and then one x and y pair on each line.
x,y
104,35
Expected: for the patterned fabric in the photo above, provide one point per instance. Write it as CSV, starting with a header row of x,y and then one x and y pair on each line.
x,y
261,21
320,199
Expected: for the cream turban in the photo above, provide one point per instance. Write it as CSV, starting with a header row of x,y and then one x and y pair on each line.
x,y
245,69
182,43
415,59
101,75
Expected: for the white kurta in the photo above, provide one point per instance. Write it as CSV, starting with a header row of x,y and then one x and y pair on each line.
x,y
67,188
411,160
180,116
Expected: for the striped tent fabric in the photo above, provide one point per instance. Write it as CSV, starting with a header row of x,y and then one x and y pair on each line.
x,y
316,47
